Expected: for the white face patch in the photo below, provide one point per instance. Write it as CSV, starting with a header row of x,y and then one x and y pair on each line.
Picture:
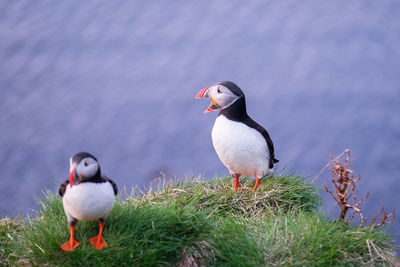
x,y
70,165
87,168
222,95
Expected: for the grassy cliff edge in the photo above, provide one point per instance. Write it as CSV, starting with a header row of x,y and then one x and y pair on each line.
x,y
201,223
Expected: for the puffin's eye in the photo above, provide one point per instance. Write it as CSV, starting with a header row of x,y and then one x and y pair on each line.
x,y
86,164
219,91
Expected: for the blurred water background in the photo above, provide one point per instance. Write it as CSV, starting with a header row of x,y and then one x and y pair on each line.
x,y
118,79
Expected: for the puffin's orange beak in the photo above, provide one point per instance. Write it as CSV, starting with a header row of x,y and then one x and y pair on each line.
x,y
203,93
71,177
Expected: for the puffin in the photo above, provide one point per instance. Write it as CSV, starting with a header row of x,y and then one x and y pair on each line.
x,y
243,146
87,195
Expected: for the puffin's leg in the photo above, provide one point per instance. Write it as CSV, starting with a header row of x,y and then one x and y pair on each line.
x,y
257,182
236,181
98,241
72,243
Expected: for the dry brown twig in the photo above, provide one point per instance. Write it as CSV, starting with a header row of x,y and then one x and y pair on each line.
x,y
384,217
345,194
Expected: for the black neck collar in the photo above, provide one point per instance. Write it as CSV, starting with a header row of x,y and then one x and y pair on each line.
x,y
237,111
95,179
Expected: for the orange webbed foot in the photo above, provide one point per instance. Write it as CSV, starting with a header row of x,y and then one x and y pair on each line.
x,y
98,242
70,245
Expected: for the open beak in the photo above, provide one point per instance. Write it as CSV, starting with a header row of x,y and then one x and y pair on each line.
x,y
206,93
71,177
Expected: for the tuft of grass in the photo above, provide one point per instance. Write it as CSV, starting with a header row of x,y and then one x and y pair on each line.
x,y
9,228
137,235
201,223
299,239
281,193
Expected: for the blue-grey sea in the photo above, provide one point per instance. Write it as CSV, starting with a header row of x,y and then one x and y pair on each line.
x,y
118,79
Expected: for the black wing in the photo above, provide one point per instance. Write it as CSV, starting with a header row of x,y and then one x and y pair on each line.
x,y
112,183
249,122
237,112
63,187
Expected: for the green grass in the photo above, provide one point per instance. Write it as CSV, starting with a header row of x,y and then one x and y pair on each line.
x,y
281,193
198,223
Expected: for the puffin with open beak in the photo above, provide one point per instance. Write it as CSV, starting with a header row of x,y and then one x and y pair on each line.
x,y
242,145
87,195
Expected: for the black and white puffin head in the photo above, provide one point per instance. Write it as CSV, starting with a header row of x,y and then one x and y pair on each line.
x,y
83,167
223,95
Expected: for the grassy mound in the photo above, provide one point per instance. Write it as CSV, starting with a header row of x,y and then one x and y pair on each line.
x,y
278,194
198,223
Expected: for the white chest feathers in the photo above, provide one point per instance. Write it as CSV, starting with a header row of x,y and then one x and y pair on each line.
x,y
242,149
88,201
